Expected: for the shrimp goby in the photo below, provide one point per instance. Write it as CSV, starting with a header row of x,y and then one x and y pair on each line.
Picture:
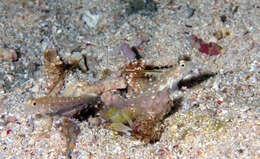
x,y
59,105
167,79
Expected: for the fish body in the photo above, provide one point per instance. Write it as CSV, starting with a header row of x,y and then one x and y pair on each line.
x,y
58,105
167,79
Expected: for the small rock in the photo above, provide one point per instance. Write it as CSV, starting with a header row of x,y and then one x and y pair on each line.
x,y
253,79
90,19
8,55
127,51
189,12
9,77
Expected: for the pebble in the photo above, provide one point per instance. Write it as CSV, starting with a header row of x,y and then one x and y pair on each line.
x,y
9,77
8,55
189,12
127,51
90,19
253,80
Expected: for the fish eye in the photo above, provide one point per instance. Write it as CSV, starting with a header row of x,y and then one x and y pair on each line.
x,y
34,103
182,63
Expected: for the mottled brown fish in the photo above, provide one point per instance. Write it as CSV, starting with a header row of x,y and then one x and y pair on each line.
x,y
59,105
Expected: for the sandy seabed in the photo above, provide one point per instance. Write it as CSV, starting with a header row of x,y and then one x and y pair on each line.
x,y
216,118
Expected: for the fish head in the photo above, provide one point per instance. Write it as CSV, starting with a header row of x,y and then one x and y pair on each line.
x,y
185,68
30,106
34,106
